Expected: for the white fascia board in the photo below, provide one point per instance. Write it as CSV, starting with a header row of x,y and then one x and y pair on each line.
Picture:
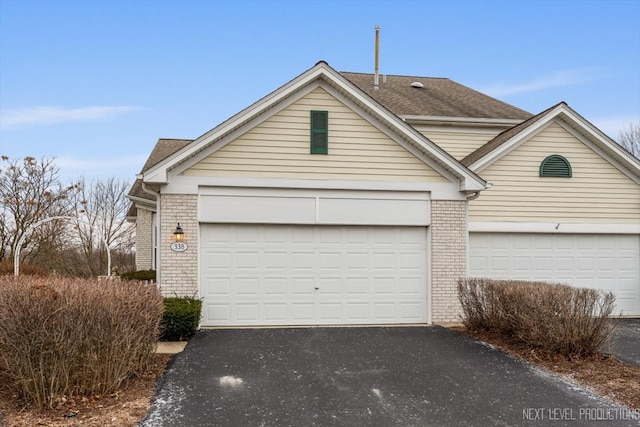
x,y
614,152
519,138
553,228
382,126
564,113
602,149
159,173
469,181
240,130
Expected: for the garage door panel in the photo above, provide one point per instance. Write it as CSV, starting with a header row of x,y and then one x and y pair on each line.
x,y
410,286
302,261
275,286
218,260
358,311
299,275
607,262
303,286
357,286
275,261
275,312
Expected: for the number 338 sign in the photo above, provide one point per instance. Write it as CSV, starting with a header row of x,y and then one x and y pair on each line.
x,y
179,246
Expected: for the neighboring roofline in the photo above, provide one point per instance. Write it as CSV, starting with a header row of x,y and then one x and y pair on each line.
x,y
143,201
461,120
502,138
469,180
533,125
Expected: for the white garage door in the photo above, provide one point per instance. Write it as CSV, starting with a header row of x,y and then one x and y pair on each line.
x,y
607,262
310,275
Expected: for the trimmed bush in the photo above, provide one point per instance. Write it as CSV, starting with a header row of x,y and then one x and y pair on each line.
x,y
180,319
64,336
555,319
143,275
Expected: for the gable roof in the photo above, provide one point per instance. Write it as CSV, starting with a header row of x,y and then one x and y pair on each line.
x,y
164,148
438,97
503,137
469,181
504,142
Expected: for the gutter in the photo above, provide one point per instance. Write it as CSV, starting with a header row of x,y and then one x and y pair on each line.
x,y
156,195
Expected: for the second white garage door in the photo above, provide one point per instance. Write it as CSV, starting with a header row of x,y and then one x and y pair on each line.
x,y
261,275
606,262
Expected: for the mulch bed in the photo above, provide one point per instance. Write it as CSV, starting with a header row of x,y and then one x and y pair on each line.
x,y
124,408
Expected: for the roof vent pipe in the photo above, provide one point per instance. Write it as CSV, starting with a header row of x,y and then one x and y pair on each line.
x,y
376,77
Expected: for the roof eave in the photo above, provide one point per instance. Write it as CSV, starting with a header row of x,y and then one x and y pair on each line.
x,y
159,173
469,121
566,113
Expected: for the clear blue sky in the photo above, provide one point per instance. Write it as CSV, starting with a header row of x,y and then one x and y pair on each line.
x,y
96,83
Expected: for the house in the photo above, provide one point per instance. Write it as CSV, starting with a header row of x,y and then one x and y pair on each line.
x,y
331,201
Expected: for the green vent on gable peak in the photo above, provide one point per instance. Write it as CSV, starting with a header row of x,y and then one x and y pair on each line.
x,y
555,166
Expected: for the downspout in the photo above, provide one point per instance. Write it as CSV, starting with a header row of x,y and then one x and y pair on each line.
x,y
476,194
148,190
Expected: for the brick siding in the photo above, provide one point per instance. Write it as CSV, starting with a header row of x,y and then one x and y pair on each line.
x,y
144,239
448,258
179,270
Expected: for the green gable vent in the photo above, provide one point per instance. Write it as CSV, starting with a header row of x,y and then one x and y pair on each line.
x,y
319,132
555,165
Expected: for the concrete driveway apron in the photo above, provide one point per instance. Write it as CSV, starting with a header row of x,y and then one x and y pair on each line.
x,y
399,376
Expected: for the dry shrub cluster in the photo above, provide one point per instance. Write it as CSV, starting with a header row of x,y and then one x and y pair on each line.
x,y
26,269
63,337
554,319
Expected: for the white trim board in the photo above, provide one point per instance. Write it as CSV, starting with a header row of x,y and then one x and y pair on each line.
x,y
556,228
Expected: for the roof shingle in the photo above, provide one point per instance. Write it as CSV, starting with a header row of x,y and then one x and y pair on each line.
x,y
438,97
164,148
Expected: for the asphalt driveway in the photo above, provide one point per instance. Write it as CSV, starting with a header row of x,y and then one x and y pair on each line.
x,y
626,341
413,376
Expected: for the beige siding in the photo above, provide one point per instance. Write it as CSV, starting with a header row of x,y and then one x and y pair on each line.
x,y
459,143
597,192
279,148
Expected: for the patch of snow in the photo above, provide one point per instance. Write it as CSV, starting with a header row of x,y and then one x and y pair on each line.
x,y
230,381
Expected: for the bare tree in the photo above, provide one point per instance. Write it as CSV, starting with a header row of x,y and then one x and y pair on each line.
x,y
630,139
30,190
103,204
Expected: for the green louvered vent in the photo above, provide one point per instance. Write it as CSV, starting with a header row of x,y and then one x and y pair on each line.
x,y
556,166
319,132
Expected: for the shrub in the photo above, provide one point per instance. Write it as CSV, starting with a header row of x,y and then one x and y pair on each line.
x,y
180,319
26,269
553,318
62,336
149,275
